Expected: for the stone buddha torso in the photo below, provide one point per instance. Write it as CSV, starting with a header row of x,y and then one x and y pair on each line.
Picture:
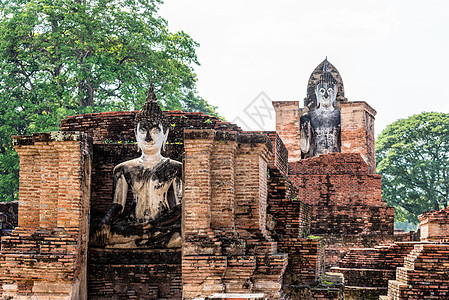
x,y
320,128
155,190
326,131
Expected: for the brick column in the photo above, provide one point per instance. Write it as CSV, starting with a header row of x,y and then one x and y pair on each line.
x,y
70,176
49,184
202,265
29,185
287,127
46,255
222,181
251,184
357,131
225,179
198,145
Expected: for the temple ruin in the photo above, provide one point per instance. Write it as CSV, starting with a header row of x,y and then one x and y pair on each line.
x,y
200,209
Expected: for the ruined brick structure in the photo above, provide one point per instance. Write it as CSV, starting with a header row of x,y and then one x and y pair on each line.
x,y
342,188
425,273
259,219
395,268
434,225
226,243
233,231
45,255
423,276
235,183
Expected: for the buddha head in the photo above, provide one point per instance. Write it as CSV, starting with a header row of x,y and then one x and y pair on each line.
x,y
152,126
326,90
151,140
326,95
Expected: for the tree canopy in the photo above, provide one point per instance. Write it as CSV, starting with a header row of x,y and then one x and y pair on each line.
x,y
413,157
65,57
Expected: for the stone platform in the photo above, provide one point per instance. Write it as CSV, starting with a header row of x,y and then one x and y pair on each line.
x,y
134,274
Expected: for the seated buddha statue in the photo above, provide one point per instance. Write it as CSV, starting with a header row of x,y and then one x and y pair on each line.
x,y
154,220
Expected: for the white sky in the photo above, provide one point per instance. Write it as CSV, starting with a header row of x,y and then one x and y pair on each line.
x,y
391,54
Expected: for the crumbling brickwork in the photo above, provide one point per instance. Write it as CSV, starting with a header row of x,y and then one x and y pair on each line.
x,y
279,159
370,272
290,225
425,274
45,255
367,270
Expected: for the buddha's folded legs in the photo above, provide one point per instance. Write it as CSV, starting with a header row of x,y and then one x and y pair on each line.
x,y
126,237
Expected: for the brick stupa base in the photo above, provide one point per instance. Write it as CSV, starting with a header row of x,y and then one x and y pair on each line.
x,y
347,207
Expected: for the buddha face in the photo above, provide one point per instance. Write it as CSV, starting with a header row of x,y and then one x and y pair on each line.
x,y
325,95
151,140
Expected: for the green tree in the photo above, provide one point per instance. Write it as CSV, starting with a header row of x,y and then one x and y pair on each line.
x,y
65,57
413,157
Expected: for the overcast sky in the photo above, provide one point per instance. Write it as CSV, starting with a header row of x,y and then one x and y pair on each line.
x,y
391,54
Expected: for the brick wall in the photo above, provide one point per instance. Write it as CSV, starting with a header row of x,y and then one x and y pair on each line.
x,y
279,159
357,131
289,225
306,292
45,255
289,217
345,197
287,127
346,205
338,245
351,219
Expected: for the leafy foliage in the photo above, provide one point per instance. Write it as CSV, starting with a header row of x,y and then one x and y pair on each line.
x,y
65,57
413,157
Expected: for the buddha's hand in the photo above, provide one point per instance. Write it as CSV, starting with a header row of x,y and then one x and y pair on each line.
x,y
102,234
